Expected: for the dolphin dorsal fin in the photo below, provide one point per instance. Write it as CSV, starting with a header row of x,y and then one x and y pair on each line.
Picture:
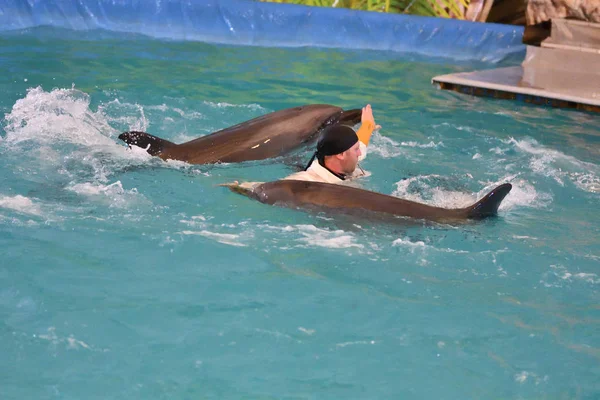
x,y
488,205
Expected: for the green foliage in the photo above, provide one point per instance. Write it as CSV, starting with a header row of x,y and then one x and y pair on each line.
x,y
434,8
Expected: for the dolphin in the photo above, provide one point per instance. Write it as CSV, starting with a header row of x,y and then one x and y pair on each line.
x,y
267,136
350,200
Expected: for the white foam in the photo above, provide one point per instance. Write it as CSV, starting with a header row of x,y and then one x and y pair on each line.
x,y
178,164
457,127
90,189
559,166
138,153
334,239
522,194
422,145
20,204
587,181
195,221
421,246
186,114
464,128
229,105
311,236
71,342
357,342
559,274
126,115
420,189
592,257
183,136
225,238
62,115
57,132
191,115
434,196
384,146
276,334
587,277
309,332
17,222
162,107
408,243
498,150
522,376
113,193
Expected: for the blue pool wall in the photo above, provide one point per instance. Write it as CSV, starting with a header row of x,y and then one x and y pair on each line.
x,y
247,22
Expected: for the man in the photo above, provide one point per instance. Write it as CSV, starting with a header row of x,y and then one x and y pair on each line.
x,y
339,150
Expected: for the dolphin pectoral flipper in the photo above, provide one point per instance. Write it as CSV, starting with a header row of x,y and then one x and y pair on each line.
x,y
153,145
488,205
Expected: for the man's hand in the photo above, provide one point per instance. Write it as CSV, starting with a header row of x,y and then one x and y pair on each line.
x,y
367,115
368,125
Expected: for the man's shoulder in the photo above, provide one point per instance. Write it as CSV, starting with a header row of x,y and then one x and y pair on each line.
x,y
301,176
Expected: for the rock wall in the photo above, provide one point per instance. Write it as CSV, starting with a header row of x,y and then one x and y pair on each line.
x,y
544,10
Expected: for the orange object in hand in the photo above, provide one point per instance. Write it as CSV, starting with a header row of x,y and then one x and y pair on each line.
x,y
367,125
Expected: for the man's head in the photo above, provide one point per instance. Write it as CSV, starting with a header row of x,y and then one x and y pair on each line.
x,y
338,149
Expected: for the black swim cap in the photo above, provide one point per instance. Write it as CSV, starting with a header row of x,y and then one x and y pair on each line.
x,y
334,140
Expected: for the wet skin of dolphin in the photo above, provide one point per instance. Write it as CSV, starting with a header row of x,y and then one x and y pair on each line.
x,y
350,200
267,136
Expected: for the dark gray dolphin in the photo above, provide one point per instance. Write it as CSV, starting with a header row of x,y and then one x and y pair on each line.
x,y
350,200
268,136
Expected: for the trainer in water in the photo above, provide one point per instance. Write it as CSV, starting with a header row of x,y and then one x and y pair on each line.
x,y
339,149
338,152
267,136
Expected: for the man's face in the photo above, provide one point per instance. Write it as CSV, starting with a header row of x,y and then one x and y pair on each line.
x,y
349,159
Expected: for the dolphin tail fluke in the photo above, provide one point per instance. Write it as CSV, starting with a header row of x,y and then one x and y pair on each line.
x,y
351,117
152,144
488,205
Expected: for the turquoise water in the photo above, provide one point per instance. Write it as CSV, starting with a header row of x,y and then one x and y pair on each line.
x,y
123,276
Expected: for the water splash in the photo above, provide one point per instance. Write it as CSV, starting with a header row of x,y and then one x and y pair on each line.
x,y
225,238
385,147
224,105
429,189
55,137
58,116
559,166
334,239
112,194
20,204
